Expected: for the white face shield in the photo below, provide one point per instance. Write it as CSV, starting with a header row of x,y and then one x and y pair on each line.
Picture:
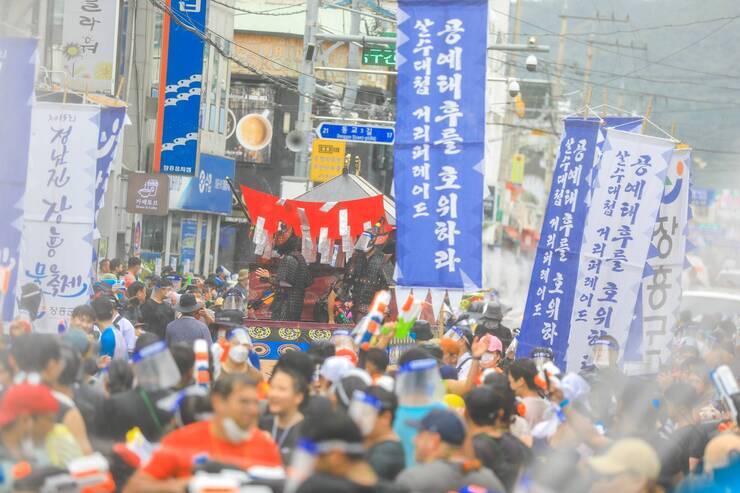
x,y
342,339
305,455
364,410
155,368
419,383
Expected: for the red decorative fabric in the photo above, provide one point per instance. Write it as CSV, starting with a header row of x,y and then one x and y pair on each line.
x,y
274,210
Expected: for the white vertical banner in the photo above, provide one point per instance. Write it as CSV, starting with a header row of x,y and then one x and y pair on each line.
x,y
619,225
59,215
89,31
661,288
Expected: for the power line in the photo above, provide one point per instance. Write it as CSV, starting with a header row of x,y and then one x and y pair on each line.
x,y
576,68
194,30
585,43
287,67
270,12
680,50
634,91
641,29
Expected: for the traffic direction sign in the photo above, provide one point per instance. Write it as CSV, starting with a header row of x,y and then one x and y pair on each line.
x,y
357,133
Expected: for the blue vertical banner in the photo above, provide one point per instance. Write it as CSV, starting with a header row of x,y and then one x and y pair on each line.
x,y
111,124
553,284
17,69
440,135
180,93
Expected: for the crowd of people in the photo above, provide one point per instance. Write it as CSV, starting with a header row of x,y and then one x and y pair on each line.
x,y
159,377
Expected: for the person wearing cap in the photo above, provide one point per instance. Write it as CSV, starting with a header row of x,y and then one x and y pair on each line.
x,y
384,449
156,312
27,414
340,465
242,284
463,336
442,464
112,342
291,279
332,370
630,465
187,328
604,377
490,322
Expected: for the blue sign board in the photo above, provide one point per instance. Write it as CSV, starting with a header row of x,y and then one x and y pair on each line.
x,y
208,191
356,133
439,157
180,105
552,288
17,71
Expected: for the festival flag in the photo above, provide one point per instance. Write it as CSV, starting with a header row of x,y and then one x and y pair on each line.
x,y
619,225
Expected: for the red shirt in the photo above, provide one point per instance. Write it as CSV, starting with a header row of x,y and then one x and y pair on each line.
x,y
174,458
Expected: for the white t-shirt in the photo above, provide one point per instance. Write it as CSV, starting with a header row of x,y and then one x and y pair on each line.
x,y
464,362
128,332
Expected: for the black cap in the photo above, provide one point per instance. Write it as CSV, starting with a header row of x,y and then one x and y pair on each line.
x,y
443,422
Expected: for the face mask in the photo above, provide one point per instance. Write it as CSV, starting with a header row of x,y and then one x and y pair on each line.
x,y
487,358
28,450
234,433
601,360
238,354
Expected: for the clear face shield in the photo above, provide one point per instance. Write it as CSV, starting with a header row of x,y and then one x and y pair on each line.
x,y
343,340
454,333
601,354
155,368
541,358
240,344
419,383
234,301
364,410
306,455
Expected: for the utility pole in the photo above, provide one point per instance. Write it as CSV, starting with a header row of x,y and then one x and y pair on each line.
x,y
587,72
517,21
648,112
350,91
558,83
307,85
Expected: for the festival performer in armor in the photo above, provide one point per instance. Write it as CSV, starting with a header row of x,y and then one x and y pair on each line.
x,y
369,269
292,277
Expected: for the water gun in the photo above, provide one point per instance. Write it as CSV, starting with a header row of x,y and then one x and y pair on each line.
x,y
371,323
200,369
61,326
407,316
728,389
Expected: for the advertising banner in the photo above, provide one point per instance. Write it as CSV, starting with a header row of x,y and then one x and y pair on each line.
x,y
552,287
206,192
660,296
188,234
147,194
17,71
440,137
619,225
89,35
327,159
58,217
178,117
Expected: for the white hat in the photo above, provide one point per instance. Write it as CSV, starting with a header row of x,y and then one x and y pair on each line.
x,y
335,367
